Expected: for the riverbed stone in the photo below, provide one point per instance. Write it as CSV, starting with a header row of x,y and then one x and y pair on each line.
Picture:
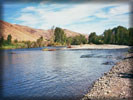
x,y
113,86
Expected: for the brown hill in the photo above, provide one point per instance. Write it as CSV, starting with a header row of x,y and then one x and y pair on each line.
x,y
25,33
70,33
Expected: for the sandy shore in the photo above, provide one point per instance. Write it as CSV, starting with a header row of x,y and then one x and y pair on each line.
x,y
117,84
88,46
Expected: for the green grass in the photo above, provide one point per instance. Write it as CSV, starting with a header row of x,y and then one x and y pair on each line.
x,y
13,46
24,45
8,47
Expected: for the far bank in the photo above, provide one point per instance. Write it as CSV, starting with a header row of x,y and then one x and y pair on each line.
x,y
72,47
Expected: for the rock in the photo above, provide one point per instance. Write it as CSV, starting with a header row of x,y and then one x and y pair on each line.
x,y
87,56
48,49
108,63
69,46
52,50
111,84
105,73
12,52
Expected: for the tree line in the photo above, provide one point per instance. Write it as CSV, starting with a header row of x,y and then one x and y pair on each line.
x,y
60,37
22,44
118,35
7,41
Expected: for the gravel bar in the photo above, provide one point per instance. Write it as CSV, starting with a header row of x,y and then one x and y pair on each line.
x,y
117,84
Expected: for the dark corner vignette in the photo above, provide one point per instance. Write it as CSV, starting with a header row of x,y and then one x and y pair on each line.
x,y
131,25
131,15
51,1
1,53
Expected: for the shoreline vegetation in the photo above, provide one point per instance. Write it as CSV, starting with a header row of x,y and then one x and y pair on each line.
x,y
116,36
117,84
75,47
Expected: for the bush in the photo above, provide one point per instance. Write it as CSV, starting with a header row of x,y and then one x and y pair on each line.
x,y
15,41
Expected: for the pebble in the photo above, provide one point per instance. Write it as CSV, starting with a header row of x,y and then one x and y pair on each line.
x,y
112,84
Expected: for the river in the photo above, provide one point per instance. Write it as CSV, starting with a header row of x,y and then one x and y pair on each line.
x,y
62,74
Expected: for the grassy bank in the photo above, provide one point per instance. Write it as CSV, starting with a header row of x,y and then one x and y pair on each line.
x,y
20,45
84,46
13,46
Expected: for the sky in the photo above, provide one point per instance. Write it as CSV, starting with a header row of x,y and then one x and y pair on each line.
x,y
79,17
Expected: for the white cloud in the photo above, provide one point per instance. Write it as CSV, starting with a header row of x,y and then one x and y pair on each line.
x,y
27,9
119,10
84,18
28,20
44,2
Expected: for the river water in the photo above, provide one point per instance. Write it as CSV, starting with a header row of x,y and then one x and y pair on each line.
x,y
61,74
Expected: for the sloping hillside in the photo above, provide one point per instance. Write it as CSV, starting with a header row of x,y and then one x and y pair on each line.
x,y
70,33
24,33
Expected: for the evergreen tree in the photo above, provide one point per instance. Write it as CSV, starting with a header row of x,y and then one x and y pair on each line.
x,y
9,39
1,41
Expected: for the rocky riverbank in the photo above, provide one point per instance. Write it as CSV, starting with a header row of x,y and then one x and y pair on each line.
x,y
117,84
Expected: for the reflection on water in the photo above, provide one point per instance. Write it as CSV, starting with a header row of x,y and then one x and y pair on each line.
x,y
62,73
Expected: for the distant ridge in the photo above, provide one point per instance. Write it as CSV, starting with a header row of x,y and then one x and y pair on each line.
x,y
25,33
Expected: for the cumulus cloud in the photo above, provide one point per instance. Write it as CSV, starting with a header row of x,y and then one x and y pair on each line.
x,y
83,18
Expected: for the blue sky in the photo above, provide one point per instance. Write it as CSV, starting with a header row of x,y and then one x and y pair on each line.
x,y
81,17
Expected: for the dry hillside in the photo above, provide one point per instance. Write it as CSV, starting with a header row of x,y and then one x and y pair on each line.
x,y
25,33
